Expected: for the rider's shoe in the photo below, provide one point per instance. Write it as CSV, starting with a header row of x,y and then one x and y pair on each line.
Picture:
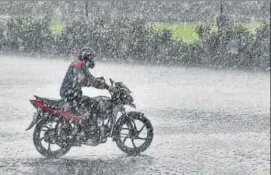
x,y
104,133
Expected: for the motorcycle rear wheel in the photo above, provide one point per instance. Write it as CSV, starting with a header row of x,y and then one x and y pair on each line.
x,y
49,138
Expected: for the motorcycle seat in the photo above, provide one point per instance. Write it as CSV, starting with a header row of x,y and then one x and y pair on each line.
x,y
51,102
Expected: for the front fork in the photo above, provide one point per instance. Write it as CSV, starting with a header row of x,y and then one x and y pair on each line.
x,y
114,121
131,125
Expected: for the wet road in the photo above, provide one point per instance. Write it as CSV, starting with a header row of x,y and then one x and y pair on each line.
x,y
205,121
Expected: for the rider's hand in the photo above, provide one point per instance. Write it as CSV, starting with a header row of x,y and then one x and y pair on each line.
x,y
112,89
101,79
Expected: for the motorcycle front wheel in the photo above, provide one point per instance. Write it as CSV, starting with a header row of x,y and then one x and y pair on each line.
x,y
140,135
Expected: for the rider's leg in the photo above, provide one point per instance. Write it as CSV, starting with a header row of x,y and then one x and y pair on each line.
x,y
72,102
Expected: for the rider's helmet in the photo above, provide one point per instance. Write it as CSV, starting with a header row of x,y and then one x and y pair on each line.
x,y
87,54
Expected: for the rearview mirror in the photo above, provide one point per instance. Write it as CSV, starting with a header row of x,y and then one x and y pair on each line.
x,y
111,81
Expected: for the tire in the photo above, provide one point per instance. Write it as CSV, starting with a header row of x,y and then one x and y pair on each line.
x,y
37,141
124,120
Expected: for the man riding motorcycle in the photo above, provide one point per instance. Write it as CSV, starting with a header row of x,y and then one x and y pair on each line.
x,y
79,76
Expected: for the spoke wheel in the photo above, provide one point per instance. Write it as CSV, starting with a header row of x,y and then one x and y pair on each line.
x,y
134,135
48,140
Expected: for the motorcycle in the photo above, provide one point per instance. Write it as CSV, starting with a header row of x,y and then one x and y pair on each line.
x,y
58,129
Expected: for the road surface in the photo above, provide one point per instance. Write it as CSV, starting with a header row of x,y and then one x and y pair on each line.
x,y
205,121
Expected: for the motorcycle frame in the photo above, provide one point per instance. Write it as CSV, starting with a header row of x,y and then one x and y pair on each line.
x,y
41,113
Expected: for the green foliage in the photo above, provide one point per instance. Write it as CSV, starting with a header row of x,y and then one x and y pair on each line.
x,y
187,32
180,31
57,27
27,34
133,38
238,47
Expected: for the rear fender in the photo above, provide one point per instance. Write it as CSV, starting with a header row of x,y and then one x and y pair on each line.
x,y
40,105
35,119
37,103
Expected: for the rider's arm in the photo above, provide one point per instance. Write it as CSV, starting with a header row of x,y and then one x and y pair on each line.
x,y
94,82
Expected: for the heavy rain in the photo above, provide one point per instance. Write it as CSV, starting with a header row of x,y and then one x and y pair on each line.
x,y
195,76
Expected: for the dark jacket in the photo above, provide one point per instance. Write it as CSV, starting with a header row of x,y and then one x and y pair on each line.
x,y
78,76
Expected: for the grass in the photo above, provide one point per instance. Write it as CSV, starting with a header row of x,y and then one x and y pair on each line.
x,y
57,27
252,27
180,31
187,31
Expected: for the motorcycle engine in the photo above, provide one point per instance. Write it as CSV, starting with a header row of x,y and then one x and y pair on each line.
x,y
92,140
91,132
94,126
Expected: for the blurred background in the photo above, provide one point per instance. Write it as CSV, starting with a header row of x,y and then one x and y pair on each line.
x,y
204,33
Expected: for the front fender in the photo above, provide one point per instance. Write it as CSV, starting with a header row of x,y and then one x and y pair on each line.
x,y
127,116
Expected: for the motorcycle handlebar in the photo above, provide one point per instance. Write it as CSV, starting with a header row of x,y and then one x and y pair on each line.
x,y
111,82
103,79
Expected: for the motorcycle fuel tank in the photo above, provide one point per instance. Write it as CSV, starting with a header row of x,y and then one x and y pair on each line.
x,y
103,103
